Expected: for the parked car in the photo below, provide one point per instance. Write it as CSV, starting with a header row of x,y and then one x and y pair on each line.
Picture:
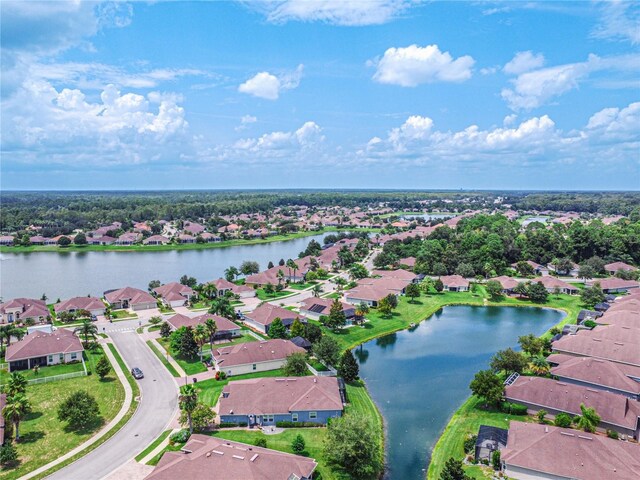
x,y
137,373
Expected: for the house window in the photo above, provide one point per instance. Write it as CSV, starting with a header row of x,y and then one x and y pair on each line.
x,y
313,415
267,418
61,357
254,366
294,417
50,359
74,356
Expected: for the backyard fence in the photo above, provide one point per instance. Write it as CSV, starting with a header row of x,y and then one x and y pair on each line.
x,y
330,372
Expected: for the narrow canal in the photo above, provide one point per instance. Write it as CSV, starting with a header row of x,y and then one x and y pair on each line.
x,y
419,377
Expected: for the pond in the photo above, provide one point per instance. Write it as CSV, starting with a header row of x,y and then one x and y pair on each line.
x,y
69,274
419,377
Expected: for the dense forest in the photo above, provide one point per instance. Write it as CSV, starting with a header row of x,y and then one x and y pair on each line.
x,y
62,212
490,244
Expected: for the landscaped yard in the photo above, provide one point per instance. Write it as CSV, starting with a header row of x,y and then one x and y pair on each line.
x,y
466,420
45,371
301,286
44,436
162,358
120,314
191,366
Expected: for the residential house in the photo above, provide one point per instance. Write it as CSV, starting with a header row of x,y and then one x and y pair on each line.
x,y
24,309
254,356
129,297
537,268
289,275
455,283
536,451
223,286
588,343
37,240
267,401
489,440
507,283
400,274
615,267
617,412
93,305
226,329
314,308
262,317
616,285
184,238
408,261
128,238
175,294
623,318
42,349
6,240
596,373
212,458
572,271
156,240
210,237
101,240
370,294
553,285
193,228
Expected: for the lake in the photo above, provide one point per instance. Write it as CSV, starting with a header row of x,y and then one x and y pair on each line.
x,y
70,274
419,377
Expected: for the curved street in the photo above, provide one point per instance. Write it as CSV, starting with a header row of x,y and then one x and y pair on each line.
x,y
158,406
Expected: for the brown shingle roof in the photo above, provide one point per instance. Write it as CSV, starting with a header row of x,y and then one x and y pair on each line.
x,y
39,344
224,325
134,295
266,313
550,394
174,288
267,396
454,281
569,453
79,303
255,352
596,372
588,343
211,458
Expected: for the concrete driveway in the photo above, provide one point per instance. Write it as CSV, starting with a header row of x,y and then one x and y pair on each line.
x,y
157,408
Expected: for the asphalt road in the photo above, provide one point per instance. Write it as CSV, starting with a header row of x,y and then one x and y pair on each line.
x,y
158,405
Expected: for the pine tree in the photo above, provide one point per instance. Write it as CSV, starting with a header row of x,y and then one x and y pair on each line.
x,y
348,368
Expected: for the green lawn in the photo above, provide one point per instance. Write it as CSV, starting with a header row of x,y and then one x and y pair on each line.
x,y
163,359
244,338
45,371
262,295
191,366
301,286
466,420
120,314
44,436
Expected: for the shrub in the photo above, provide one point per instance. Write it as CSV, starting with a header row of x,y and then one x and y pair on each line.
x,y
232,424
589,323
261,442
8,454
513,408
287,424
298,444
612,434
495,459
470,443
541,414
80,410
179,437
562,420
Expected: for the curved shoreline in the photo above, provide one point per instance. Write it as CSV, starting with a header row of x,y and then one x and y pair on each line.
x,y
562,321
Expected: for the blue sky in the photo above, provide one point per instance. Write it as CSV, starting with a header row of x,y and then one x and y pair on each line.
x,y
287,94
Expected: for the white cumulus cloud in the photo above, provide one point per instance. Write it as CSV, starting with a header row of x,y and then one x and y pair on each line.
x,y
524,62
269,86
414,65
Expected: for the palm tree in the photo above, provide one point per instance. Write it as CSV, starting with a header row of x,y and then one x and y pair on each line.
x,y
17,384
361,310
200,335
231,273
15,410
212,327
188,401
589,419
316,290
539,365
280,276
221,306
87,329
291,265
